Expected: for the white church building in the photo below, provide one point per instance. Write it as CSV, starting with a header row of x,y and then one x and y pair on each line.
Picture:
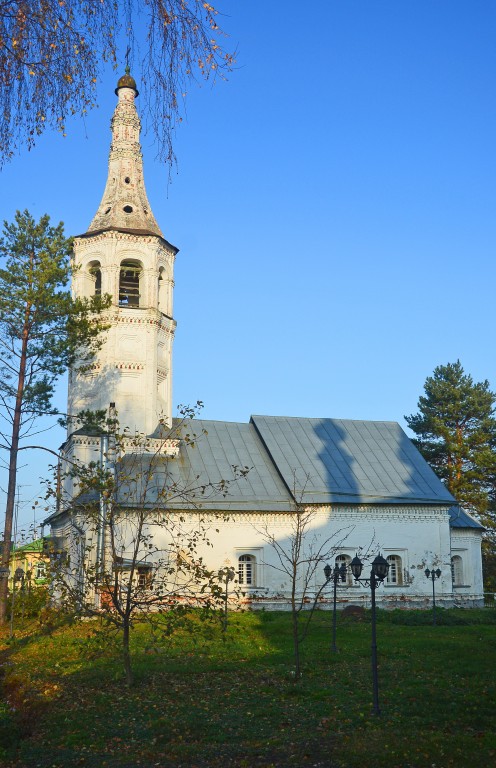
x,y
363,484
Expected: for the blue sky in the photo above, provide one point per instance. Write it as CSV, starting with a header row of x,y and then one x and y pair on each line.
x,y
333,206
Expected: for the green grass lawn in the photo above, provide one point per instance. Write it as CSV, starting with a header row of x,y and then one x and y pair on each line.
x,y
203,701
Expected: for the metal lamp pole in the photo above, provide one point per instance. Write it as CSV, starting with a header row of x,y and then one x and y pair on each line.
x,y
434,574
378,573
336,574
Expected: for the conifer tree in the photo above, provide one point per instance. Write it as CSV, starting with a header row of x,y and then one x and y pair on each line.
x,y
43,331
456,434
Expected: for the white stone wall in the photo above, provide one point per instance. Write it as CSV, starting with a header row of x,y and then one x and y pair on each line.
x,y
134,367
466,544
419,536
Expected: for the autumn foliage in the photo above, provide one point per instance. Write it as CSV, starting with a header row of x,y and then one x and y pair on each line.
x,y
54,52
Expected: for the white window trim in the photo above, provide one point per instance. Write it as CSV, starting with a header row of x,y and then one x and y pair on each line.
x,y
463,555
401,552
255,552
350,581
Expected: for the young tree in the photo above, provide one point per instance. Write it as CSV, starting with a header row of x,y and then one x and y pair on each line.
x,y
456,434
53,53
42,332
301,556
136,530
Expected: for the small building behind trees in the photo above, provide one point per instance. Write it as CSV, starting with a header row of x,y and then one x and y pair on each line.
x,y
29,566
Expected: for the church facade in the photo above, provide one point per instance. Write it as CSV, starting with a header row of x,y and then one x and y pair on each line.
x,y
358,486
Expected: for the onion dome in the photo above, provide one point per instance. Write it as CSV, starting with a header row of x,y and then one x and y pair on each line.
x,y
126,81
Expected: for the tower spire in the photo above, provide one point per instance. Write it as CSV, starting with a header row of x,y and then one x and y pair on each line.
x,y
124,254
124,205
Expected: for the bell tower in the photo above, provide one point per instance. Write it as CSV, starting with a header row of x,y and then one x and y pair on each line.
x,y
124,254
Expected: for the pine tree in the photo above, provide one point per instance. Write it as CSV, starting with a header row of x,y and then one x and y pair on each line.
x,y
43,330
456,434
456,429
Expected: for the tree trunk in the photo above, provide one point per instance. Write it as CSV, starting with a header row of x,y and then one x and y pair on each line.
x,y
296,645
294,616
14,447
126,655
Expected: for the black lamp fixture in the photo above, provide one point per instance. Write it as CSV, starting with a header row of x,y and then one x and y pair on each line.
x,y
433,575
338,573
380,569
378,572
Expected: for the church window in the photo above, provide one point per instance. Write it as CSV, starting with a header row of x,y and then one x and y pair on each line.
x,y
247,570
97,274
127,180
457,570
161,290
95,286
129,284
346,560
395,573
128,209
144,577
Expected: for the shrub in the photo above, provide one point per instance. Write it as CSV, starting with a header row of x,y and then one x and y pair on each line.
x,y
29,603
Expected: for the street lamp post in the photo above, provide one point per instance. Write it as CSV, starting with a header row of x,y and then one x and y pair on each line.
x,y
226,575
338,573
378,573
434,574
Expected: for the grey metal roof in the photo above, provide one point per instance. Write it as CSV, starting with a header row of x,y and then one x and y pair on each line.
x,y
215,447
335,460
314,461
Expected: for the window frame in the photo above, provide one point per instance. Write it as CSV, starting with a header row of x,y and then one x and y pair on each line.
x,y
346,559
457,571
95,271
247,562
40,570
133,289
394,577
144,576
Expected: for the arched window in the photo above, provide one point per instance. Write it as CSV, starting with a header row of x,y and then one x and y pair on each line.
x,y
91,279
395,573
129,284
348,579
161,290
457,570
96,273
247,570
